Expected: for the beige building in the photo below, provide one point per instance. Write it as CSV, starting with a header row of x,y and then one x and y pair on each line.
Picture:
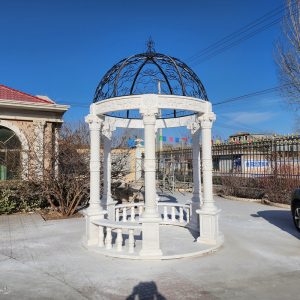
x,y
242,137
29,130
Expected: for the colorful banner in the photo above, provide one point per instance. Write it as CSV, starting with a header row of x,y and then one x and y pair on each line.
x,y
173,139
163,138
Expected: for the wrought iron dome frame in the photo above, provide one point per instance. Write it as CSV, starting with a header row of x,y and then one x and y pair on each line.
x,y
146,73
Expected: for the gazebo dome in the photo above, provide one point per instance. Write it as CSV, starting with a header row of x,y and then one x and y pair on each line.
x,y
150,73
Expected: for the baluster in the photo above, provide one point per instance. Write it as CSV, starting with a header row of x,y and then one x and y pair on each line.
x,y
131,241
165,213
101,237
173,214
119,239
124,215
108,239
181,214
140,210
118,215
132,217
188,215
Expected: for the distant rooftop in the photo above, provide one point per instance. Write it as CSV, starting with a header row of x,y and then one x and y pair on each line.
x,y
7,93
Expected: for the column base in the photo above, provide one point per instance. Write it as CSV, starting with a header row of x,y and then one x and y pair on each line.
x,y
209,227
150,238
151,216
91,230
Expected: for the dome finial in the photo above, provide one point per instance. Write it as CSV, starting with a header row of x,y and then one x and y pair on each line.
x,y
150,45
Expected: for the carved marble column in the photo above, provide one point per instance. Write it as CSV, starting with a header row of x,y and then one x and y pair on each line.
x,y
196,198
138,160
158,148
107,201
94,210
150,218
209,213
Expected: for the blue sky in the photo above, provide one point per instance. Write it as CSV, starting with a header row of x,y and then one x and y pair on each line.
x,y
63,48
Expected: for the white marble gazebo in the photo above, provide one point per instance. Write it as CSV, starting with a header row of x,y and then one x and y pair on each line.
x,y
124,99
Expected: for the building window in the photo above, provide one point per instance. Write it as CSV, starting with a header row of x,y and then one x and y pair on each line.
x,y
10,155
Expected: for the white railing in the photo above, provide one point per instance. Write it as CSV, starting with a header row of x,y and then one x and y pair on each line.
x,y
106,230
175,213
172,213
128,212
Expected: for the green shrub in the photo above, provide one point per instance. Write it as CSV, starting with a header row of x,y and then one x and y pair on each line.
x,y
8,204
20,197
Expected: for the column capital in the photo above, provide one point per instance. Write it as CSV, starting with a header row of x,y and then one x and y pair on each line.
x,y
107,129
206,120
149,114
94,121
193,126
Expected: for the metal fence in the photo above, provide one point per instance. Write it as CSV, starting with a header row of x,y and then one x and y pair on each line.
x,y
264,158
174,168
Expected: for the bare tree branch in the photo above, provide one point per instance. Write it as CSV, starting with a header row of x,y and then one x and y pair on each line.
x,y
288,53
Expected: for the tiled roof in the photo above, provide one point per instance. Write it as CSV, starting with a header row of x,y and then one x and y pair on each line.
x,y
7,93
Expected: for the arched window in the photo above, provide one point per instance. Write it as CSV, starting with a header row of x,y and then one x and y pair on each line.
x,y
10,154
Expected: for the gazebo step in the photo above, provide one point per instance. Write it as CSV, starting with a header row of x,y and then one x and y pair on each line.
x,y
176,242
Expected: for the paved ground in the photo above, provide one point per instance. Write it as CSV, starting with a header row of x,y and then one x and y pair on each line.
x,y
45,260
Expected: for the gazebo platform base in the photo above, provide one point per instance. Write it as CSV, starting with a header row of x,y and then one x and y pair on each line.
x,y
176,242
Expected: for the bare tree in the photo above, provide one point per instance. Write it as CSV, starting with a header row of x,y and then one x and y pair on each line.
x,y
64,180
288,53
59,172
65,183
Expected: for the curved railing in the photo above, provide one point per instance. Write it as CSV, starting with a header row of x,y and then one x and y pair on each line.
x,y
113,233
182,218
106,240
134,209
172,213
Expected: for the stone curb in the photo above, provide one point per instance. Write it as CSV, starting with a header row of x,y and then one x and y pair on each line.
x,y
280,205
262,201
240,199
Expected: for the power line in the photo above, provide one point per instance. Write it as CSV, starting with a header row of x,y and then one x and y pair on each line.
x,y
238,32
243,97
74,104
249,95
237,42
240,124
226,126
238,36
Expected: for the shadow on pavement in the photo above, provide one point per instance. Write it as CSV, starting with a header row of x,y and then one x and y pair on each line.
x,y
280,218
145,291
167,198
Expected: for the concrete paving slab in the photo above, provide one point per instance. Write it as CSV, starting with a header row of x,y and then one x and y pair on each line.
x,y
260,259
